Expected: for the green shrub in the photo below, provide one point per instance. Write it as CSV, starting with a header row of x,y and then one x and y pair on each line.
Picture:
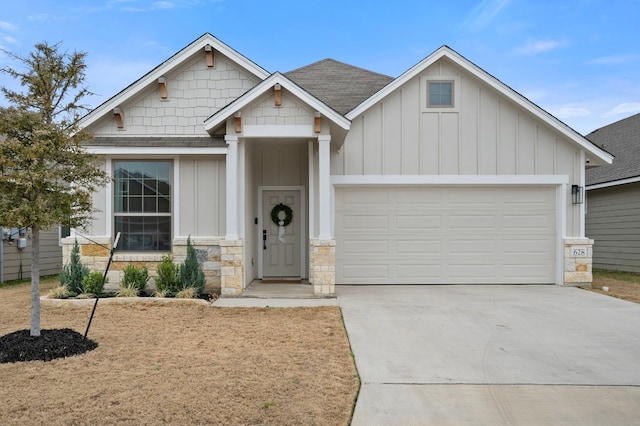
x,y
73,273
191,273
135,278
168,279
92,283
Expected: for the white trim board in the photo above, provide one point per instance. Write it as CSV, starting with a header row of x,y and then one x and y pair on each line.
x,y
338,180
613,183
136,150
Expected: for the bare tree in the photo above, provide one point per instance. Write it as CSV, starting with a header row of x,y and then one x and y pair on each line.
x,y
46,177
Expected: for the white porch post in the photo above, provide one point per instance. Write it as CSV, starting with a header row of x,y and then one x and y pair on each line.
x,y
232,187
324,188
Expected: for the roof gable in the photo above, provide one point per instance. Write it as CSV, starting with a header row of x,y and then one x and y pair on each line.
x,y
597,155
252,95
339,85
167,66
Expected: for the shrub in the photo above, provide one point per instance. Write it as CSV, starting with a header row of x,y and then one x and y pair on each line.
x,y
73,273
191,273
187,293
59,292
168,279
135,278
127,292
92,283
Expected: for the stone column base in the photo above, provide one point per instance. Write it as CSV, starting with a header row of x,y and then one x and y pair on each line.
x,y
578,261
322,266
231,267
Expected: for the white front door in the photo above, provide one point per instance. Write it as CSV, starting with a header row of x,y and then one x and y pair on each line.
x,y
281,243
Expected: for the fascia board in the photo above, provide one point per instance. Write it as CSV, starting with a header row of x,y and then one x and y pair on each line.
x,y
167,66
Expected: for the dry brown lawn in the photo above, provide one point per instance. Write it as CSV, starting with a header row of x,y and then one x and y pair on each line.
x,y
183,364
620,284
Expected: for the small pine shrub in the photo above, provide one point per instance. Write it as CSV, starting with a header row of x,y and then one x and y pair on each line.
x,y
191,273
168,279
73,273
135,278
92,284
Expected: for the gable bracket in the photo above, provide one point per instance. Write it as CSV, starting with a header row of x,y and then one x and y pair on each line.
x,y
277,94
119,117
209,52
162,85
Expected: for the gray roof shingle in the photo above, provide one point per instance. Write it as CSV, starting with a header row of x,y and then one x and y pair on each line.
x,y
341,86
622,140
158,142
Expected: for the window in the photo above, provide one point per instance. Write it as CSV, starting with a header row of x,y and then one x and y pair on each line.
x,y
440,94
142,205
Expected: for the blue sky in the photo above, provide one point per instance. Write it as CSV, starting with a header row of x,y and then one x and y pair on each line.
x,y
578,59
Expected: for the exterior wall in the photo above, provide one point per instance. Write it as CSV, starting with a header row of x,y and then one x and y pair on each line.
x,y
195,92
50,256
95,255
202,191
484,134
613,221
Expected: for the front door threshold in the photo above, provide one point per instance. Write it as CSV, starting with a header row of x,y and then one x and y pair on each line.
x,y
282,290
281,280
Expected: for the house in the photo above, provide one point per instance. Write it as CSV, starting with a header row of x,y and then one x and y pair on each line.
x,y
613,198
335,174
15,253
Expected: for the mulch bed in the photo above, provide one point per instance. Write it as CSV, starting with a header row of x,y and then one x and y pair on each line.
x,y
51,344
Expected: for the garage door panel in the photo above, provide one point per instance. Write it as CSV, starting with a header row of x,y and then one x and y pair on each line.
x,y
440,235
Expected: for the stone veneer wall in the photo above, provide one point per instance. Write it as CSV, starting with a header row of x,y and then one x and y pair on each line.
x,y
322,266
578,261
95,255
232,267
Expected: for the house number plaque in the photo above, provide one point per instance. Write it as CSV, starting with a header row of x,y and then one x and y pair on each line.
x,y
578,252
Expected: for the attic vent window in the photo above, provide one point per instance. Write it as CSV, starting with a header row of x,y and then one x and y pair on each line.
x,y
440,94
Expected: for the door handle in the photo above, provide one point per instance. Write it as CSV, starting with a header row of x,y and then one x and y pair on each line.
x,y
264,239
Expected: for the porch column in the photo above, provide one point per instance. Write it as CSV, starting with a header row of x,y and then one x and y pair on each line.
x,y
232,187
324,188
322,258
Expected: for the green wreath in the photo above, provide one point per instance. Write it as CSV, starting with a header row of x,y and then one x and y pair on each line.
x,y
275,214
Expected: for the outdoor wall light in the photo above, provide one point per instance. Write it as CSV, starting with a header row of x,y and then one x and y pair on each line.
x,y
577,194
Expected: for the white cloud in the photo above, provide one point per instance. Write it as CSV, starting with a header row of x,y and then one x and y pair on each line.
x,y
533,47
9,39
163,5
614,60
625,108
483,14
568,111
8,26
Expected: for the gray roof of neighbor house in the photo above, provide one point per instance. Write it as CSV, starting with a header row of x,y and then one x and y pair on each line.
x,y
622,140
341,86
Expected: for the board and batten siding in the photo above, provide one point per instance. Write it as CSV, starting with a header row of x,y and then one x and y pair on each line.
x,y
50,257
613,221
484,134
202,190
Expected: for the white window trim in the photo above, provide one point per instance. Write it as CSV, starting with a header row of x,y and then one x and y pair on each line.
x,y
424,93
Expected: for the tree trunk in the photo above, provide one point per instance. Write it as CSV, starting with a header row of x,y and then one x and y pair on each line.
x,y
35,280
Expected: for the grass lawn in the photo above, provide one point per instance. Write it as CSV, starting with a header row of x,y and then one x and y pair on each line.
x,y
182,364
623,285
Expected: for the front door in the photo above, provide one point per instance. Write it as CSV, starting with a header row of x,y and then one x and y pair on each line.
x,y
282,218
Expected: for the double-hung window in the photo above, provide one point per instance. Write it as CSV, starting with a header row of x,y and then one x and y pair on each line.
x,y
142,205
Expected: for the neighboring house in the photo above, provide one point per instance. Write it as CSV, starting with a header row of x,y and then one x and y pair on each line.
x,y
15,255
613,201
336,174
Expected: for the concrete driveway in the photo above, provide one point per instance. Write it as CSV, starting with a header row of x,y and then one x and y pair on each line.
x,y
511,355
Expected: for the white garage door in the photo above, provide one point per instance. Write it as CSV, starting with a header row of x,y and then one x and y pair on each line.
x,y
445,235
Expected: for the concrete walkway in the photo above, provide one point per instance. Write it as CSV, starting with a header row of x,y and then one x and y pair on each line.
x,y
496,355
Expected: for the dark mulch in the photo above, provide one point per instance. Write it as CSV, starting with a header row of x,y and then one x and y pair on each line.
x,y
51,344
